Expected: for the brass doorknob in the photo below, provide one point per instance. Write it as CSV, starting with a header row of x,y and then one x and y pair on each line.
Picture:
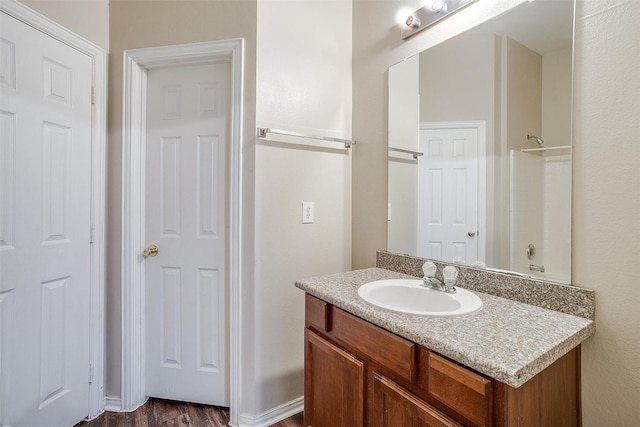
x,y
150,251
471,233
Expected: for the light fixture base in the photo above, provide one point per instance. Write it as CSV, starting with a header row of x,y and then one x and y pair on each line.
x,y
433,11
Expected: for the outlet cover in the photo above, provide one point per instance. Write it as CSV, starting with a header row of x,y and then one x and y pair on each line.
x,y
307,212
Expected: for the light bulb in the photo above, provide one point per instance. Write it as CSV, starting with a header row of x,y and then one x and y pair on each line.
x,y
413,22
439,6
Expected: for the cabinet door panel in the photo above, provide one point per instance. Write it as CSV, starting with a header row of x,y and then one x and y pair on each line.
x,y
393,406
334,385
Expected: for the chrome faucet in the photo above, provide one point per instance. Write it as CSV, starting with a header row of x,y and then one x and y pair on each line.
x,y
429,280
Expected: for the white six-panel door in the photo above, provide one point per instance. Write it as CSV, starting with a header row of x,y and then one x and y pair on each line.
x,y
186,283
45,178
448,194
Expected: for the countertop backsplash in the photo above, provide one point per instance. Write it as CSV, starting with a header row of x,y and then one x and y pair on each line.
x,y
550,295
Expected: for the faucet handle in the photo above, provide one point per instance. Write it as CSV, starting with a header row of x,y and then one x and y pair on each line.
x,y
450,274
429,269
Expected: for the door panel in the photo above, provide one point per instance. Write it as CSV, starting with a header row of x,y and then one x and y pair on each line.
x,y
448,194
45,202
186,289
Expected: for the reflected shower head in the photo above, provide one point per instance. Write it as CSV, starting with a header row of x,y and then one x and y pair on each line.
x,y
538,140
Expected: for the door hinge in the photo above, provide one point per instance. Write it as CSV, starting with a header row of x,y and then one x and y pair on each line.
x,y
90,374
92,234
93,95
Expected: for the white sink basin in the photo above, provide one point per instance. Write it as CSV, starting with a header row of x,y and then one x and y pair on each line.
x,y
411,297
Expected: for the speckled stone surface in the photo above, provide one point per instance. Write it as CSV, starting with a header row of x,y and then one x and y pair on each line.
x,y
507,340
554,296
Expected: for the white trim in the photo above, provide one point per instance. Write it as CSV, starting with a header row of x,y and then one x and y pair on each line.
x,y
98,185
481,128
274,415
133,154
113,404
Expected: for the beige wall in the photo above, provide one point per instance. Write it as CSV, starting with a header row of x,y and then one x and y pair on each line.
x,y
606,202
303,85
87,18
402,193
402,189
606,205
457,81
523,95
373,38
404,104
556,97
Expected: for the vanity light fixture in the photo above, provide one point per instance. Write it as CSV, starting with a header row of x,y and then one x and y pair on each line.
x,y
432,12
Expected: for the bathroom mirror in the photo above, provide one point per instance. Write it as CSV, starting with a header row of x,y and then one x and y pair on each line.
x,y
479,141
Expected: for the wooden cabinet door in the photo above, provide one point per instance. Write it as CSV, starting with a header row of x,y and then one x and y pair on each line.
x,y
393,406
333,385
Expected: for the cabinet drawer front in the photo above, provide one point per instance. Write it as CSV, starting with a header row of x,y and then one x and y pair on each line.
x,y
385,348
459,388
316,313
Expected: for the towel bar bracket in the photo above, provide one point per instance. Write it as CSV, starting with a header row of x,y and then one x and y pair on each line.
x,y
414,154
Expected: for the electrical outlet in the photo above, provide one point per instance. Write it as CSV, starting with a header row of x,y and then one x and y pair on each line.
x,y
307,212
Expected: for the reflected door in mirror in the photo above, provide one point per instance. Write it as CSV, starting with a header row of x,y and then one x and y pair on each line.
x,y
448,188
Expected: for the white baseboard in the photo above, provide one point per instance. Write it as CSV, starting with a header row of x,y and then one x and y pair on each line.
x,y
274,415
114,404
270,417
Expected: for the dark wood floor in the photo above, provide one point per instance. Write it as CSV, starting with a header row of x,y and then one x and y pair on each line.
x,y
166,413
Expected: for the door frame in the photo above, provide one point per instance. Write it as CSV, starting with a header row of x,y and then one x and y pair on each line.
x,y
480,127
98,57
136,64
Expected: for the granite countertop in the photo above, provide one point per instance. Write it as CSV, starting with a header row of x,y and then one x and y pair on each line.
x,y
506,340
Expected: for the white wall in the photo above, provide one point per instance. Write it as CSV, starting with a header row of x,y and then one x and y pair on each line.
x,y
303,85
541,214
526,206
557,217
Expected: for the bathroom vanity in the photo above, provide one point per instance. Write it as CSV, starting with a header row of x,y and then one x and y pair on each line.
x,y
509,364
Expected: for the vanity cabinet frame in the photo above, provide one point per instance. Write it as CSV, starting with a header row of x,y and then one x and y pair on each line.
x,y
355,371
